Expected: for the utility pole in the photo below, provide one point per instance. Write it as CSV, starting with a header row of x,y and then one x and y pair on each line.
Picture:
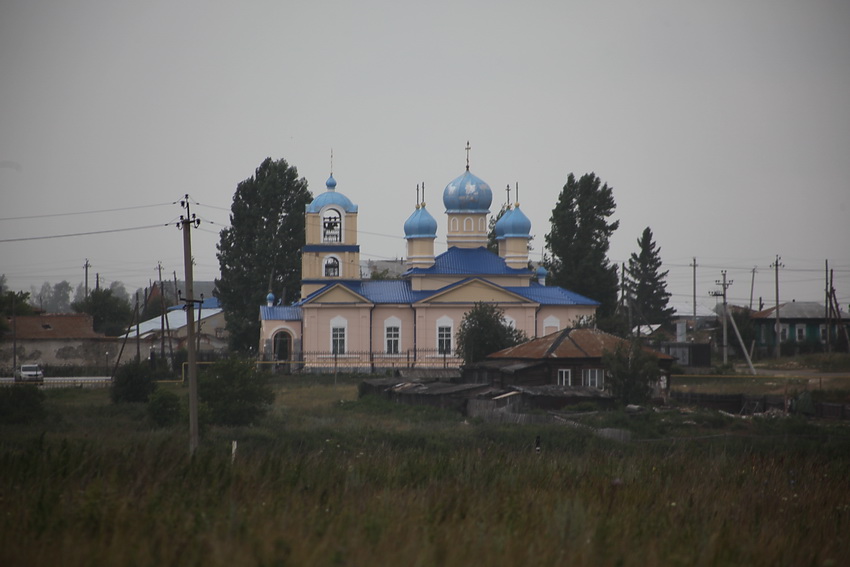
x,y
694,266
14,335
186,223
161,314
752,286
86,267
828,310
725,286
778,329
138,338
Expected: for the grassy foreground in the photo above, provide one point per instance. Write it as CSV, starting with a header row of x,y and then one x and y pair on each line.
x,y
332,480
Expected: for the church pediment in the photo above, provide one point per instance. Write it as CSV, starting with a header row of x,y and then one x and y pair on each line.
x,y
474,290
337,294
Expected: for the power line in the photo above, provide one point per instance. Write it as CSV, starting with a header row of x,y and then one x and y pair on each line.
x,y
82,233
84,212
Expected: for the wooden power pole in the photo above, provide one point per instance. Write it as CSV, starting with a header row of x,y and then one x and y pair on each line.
x,y
186,223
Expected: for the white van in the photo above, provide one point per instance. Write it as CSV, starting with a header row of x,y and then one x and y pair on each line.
x,y
29,373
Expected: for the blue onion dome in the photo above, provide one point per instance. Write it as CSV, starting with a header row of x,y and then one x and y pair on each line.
x,y
270,298
502,224
518,225
331,198
467,194
420,224
542,272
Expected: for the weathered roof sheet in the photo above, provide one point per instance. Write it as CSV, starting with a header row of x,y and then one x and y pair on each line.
x,y
796,310
176,320
556,391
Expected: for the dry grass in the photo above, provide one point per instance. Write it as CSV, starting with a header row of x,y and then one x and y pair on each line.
x,y
329,480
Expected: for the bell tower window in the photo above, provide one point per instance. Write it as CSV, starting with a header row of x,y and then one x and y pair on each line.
x,y
332,226
331,268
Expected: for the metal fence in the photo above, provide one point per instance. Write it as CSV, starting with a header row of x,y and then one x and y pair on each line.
x,y
365,361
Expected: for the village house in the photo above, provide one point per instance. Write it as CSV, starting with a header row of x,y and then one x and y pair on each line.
x,y
570,357
56,339
803,326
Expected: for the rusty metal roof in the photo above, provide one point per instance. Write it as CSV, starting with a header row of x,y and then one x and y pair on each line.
x,y
55,326
567,343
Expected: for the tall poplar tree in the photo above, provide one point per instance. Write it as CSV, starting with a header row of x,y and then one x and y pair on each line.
x,y
261,249
646,283
578,243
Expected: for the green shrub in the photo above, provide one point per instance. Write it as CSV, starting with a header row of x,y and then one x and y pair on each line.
x,y
133,383
235,392
21,404
164,407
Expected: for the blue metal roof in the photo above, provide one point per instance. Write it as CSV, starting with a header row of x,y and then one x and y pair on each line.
x,y
420,224
331,198
331,248
378,291
400,292
514,224
280,313
469,261
467,193
551,295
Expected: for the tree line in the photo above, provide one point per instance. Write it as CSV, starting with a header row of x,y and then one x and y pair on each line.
x,y
110,307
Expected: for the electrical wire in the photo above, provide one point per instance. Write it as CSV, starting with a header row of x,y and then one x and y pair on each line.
x,y
85,212
82,233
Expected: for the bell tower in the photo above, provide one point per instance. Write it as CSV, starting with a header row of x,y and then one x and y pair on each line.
x,y
331,252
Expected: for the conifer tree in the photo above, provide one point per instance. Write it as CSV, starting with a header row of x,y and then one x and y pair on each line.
x,y
646,285
578,243
261,249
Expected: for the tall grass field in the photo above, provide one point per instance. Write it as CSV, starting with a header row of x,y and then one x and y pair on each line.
x,y
330,479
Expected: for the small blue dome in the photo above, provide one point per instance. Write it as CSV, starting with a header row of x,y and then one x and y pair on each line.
x,y
541,271
513,224
331,197
270,298
502,224
467,194
420,224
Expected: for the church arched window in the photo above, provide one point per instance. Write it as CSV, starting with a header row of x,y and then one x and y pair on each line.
x,y
332,226
331,267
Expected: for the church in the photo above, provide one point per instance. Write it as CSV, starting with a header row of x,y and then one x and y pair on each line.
x,y
346,322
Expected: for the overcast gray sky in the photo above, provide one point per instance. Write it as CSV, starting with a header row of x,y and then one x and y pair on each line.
x,y
724,125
